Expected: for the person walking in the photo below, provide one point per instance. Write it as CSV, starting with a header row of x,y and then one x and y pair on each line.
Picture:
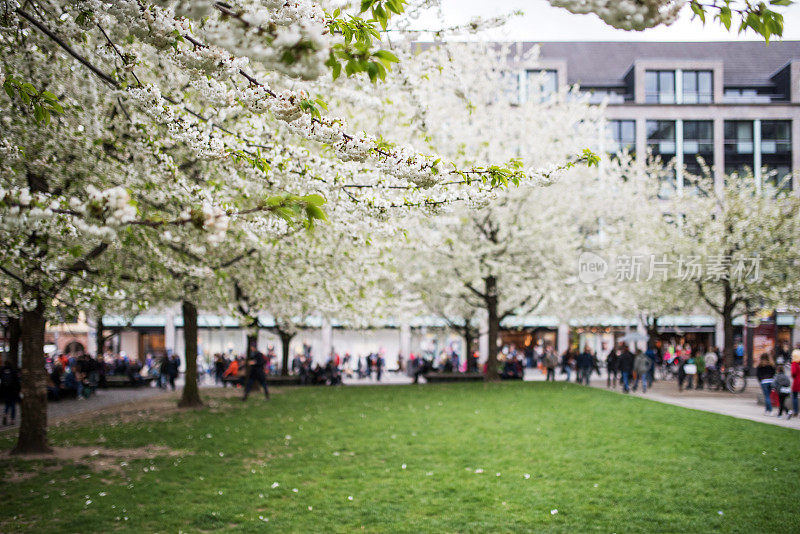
x,y
690,370
641,365
700,362
652,353
379,363
566,363
795,371
10,388
550,363
173,369
256,373
585,364
765,372
710,360
626,360
612,367
782,386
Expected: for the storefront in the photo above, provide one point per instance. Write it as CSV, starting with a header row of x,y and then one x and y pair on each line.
x,y
526,332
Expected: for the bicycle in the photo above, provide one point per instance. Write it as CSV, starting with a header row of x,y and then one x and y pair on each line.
x,y
735,380
732,380
669,369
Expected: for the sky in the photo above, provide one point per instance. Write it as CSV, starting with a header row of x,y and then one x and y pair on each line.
x,y
542,22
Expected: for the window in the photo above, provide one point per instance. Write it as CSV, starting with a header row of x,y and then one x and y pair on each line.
x,y
661,142
763,147
776,151
659,86
623,135
511,87
541,84
697,87
738,147
698,141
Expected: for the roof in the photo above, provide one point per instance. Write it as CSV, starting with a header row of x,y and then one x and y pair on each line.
x,y
602,64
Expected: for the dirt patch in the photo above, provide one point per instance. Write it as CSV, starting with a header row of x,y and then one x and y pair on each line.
x,y
96,458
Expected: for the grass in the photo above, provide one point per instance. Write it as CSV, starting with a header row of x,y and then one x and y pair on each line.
x,y
606,462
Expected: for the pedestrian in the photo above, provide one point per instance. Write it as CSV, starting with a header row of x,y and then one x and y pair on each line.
x,y
626,360
10,388
566,363
163,372
232,371
641,365
219,368
690,370
652,353
612,367
699,361
256,372
710,360
379,363
173,369
585,363
765,372
795,370
782,386
550,362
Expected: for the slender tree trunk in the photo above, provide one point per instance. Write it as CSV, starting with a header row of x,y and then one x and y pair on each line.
x,y
285,339
14,337
99,338
191,393
728,353
33,422
652,330
494,327
468,345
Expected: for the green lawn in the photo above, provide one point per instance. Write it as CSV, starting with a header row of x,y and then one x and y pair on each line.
x,y
410,458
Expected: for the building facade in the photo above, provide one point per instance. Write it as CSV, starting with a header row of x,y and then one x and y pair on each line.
x,y
736,105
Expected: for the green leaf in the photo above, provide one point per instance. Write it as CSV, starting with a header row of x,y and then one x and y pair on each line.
x,y
386,56
314,200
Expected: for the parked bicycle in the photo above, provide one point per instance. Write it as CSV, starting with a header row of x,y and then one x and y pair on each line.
x,y
733,379
669,369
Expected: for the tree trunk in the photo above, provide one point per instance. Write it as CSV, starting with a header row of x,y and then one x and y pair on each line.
x,y
494,327
14,337
729,352
191,393
99,338
285,339
33,422
651,325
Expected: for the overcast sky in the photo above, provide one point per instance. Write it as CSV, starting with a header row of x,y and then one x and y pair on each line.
x,y
542,22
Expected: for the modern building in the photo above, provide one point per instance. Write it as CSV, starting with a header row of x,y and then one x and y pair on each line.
x,y
735,104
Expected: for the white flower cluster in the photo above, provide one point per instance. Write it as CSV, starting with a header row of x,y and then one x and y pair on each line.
x,y
210,60
213,218
627,14
200,140
116,204
216,222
